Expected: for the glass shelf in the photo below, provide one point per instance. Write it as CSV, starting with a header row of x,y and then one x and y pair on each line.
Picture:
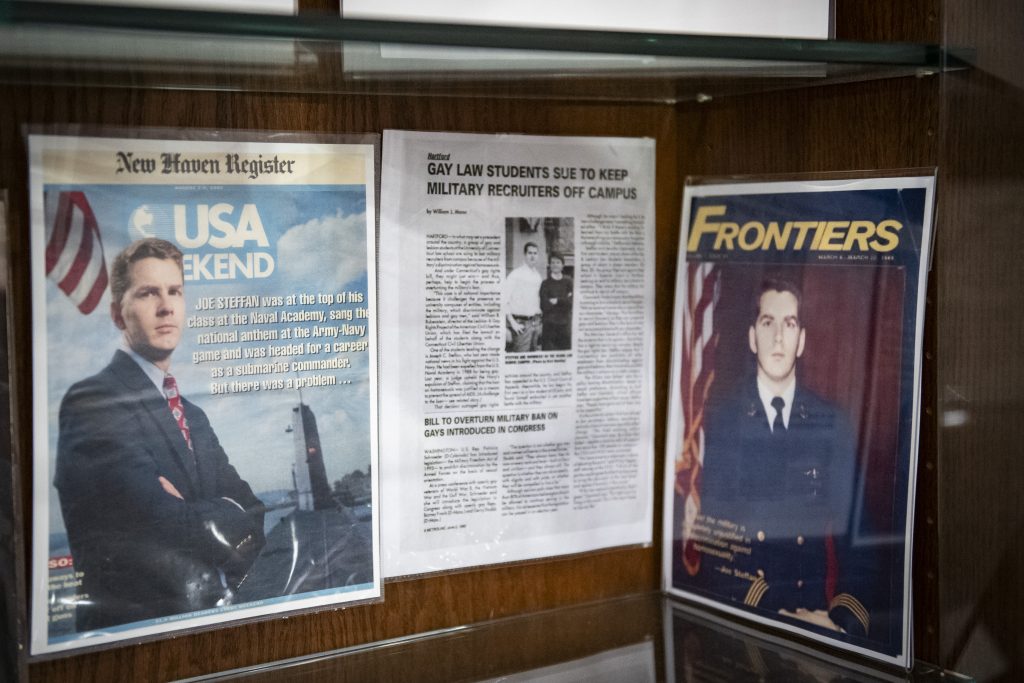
x,y
637,638
92,45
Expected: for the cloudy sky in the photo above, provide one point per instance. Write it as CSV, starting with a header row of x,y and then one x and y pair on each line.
x,y
316,237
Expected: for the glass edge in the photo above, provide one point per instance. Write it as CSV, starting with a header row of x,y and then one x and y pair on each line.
x,y
648,597
331,27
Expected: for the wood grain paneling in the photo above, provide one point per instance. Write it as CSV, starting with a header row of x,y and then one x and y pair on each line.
x,y
980,377
979,268
913,21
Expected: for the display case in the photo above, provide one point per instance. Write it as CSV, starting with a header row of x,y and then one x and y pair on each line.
x,y
912,85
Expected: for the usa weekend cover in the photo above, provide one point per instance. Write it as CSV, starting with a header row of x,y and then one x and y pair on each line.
x,y
204,381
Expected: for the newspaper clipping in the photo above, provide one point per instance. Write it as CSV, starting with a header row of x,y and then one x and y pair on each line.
x,y
204,393
792,440
516,276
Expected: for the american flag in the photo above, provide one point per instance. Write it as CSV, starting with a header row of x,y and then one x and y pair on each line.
x,y
699,343
74,253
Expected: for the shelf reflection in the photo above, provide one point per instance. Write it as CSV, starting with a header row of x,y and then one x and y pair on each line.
x,y
701,646
637,638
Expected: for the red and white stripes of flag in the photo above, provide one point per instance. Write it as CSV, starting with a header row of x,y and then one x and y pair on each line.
x,y
74,252
699,343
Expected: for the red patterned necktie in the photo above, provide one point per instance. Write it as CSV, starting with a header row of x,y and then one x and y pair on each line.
x,y
177,408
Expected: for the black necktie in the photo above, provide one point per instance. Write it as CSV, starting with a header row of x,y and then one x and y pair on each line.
x,y
778,426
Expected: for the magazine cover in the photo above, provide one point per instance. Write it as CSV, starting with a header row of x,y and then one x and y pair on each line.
x,y
793,406
204,382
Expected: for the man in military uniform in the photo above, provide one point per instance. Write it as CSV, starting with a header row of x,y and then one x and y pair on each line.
x,y
778,488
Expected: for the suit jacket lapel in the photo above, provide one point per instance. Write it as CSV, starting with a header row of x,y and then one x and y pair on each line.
x,y
756,421
206,475
800,414
154,404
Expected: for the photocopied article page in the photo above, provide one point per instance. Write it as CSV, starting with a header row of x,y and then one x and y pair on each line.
x,y
517,347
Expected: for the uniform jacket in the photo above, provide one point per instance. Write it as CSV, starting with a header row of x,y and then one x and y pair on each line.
x,y
144,553
778,510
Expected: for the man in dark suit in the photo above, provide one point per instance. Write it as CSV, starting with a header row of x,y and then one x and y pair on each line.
x,y
158,520
778,487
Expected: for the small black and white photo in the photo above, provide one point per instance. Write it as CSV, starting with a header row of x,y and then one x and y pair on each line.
x,y
537,295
